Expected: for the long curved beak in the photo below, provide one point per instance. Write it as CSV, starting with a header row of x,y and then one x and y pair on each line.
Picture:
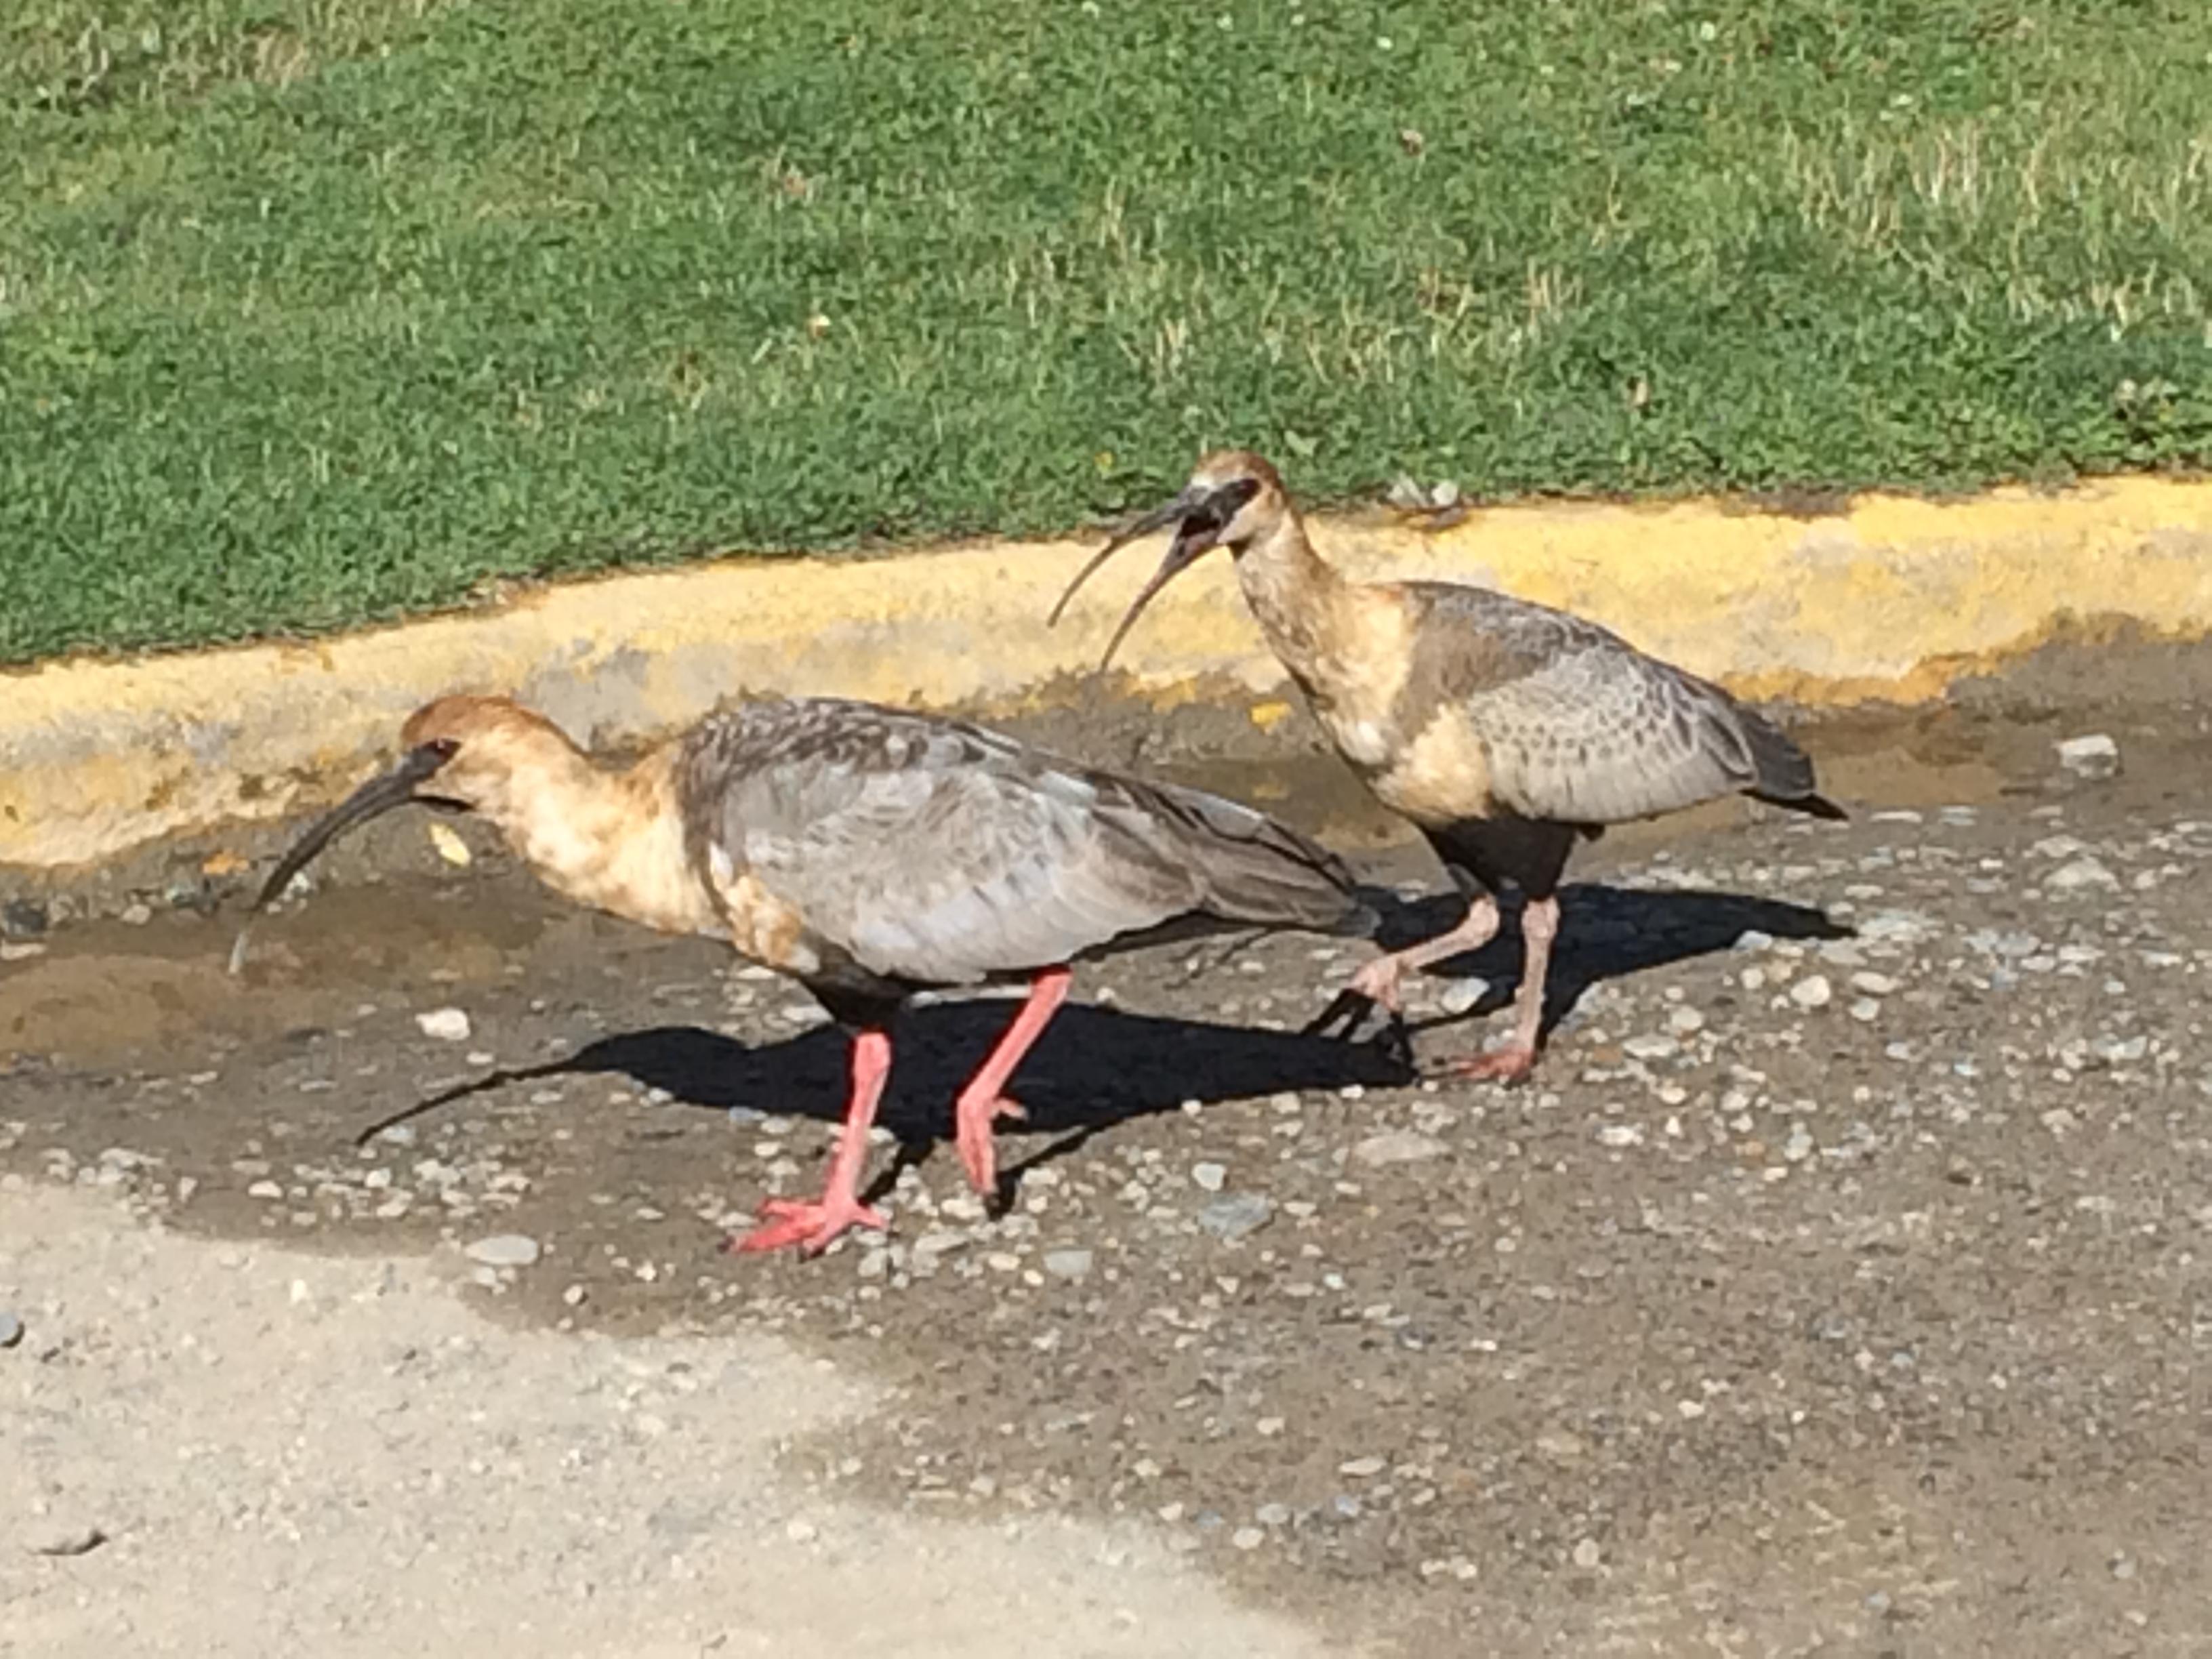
x,y
1195,536
1190,544
1158,519
394,788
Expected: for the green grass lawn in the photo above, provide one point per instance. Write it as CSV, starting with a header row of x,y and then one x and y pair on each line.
x,y
315,311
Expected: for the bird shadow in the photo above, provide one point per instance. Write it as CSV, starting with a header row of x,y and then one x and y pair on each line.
x,y
1093,1068
1097,1067
1605,932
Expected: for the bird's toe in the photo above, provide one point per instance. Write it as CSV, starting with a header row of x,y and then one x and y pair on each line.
x,y
1377,980
810,1227
979,1155
1510,1064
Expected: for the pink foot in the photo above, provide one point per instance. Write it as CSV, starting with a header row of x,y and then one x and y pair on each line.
x,y
1507,1065
809,1224
979,1154
1377,979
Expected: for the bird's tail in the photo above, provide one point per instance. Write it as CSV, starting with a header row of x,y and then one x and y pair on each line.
x,y
1782,773
1818,806
1250,868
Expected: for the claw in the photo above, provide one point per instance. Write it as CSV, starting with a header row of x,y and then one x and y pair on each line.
x,y
809,1224
1510,1064
1378,981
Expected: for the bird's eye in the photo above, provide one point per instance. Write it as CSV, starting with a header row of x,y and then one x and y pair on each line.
x,y
1226,502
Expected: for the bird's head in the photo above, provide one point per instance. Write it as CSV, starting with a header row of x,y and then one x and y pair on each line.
x,y
1232,499
457,755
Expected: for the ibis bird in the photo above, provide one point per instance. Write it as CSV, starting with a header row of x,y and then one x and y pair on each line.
x,y
1502,730
870,853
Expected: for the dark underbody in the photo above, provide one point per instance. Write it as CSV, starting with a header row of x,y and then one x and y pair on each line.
x,y
1530,855
1526,855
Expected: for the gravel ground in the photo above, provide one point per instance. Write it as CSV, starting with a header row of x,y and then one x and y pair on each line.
x,y
1836,1286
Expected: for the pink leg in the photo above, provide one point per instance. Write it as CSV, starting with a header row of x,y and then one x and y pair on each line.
x,y
1377,979
1540,925
983,1102
810,1226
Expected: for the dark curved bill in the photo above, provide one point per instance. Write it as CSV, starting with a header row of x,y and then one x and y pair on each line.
x,y
1190,544
1158,519
378,796
374,798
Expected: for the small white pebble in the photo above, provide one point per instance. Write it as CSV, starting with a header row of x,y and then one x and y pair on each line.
x,y
446,1024
1461,996
2094,756
1813,991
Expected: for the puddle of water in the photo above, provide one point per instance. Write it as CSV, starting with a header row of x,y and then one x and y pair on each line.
x,y
106,992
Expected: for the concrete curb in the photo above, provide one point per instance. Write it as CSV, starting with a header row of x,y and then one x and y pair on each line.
x,y
1888,601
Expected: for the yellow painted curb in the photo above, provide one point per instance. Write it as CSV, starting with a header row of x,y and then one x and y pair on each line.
x,y
1890,599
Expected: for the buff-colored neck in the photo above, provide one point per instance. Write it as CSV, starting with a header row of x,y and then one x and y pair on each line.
x,y
1302,605
611,839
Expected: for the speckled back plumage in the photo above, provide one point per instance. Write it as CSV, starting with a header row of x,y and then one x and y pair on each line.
x,y
1578,725
930,851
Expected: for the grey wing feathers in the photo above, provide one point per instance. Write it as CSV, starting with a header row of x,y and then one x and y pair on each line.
x,y
1245,866
940,852
1581,727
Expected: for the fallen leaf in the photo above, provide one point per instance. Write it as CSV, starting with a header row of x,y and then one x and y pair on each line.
x,y
451,847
